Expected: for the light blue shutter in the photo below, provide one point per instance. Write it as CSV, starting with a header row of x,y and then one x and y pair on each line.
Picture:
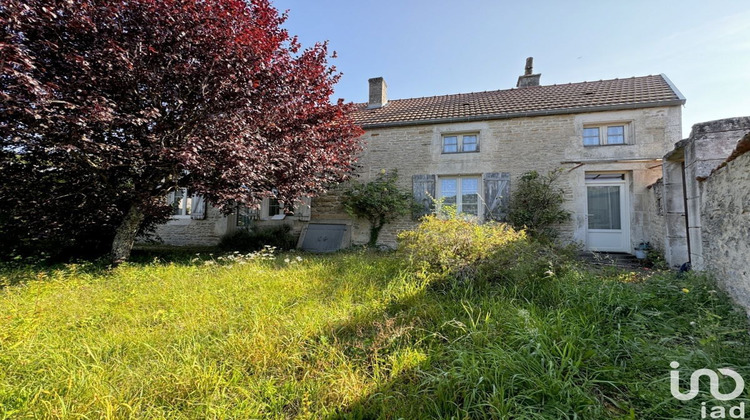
x,y
423,191
199,208
496,195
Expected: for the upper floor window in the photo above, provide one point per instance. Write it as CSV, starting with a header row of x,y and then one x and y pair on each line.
x,y
606,134
181,202
460,143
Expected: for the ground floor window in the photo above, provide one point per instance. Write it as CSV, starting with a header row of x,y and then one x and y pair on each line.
x,y
274,207
180,202
462,192
268,209
246,216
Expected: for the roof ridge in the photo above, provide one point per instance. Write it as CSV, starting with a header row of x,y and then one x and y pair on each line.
x,y
517,88
587,96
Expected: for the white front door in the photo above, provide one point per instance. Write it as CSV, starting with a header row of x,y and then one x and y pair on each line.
x,y
607,218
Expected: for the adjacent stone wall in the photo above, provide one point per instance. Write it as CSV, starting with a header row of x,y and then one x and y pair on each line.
x,y
516,146
707,147
725,218
715,167
654,216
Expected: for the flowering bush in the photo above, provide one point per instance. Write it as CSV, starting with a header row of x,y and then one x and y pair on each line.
x,y
451,243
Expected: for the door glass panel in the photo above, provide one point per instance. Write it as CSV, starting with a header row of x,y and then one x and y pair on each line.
x,y
604,207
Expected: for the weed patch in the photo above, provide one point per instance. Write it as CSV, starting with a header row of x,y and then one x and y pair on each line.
x,y
354,335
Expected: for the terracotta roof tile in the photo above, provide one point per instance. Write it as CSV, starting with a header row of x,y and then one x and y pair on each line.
x,y
534,100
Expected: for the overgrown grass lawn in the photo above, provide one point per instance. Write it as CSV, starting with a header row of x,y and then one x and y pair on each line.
x,y
354,335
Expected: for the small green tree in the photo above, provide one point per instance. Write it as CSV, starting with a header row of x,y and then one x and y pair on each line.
x,y
536,205
379,202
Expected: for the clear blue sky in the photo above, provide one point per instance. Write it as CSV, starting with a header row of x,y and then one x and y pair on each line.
x,y
436,47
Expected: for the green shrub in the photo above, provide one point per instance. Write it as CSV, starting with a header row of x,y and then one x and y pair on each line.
x,y
655,259
256,238
464,249
379,202
450,244
536,205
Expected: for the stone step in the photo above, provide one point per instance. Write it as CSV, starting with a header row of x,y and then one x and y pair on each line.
x,y
611,259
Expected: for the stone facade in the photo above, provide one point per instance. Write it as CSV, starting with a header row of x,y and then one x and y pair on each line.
x,y
518,145
673,202
184,231
654,219
725,219
707,198
510,132
707,147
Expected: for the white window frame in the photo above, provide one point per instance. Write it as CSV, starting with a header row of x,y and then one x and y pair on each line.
x,y
459,142
459,204
185,212
603,133
267,208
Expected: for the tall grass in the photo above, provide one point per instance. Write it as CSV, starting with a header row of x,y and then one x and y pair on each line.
x,y
352,335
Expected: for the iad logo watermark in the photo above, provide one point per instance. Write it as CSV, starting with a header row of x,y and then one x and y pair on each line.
x,y
717,412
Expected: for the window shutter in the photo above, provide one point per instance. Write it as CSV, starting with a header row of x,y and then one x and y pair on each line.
x,y
496,195
303,209
424,194
199,208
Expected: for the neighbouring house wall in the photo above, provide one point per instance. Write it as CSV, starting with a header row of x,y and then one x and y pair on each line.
x,y
209,231
516,146
725,218
192,232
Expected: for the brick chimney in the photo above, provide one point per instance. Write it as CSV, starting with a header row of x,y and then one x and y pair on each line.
x,y
378,93
528,79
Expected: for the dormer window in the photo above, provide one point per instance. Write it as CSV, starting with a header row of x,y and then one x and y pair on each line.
x,y
460,143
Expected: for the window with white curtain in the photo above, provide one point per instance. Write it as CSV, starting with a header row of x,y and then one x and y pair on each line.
x,y
462,192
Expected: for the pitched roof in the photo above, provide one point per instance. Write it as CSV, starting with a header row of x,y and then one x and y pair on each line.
x,y
635,92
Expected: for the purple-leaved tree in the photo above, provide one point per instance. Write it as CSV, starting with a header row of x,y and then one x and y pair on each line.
x,y
107,106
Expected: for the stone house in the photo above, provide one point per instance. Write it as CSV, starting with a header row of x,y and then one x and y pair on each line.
x,y
196,224
609,136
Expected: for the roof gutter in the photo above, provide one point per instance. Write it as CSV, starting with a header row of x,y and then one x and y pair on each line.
x,y
544,112
626,160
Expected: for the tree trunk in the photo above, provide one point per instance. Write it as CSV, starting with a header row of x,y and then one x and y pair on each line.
x,y
125,235
375,232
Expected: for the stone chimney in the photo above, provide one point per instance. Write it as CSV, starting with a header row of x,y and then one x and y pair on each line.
x,y
378,93
528,79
